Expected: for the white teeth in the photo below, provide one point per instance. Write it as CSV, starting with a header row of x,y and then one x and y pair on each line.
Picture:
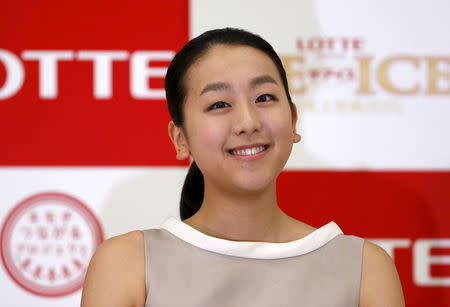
x,y
248,151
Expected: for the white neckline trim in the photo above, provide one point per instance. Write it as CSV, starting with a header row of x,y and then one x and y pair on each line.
x,y
248,249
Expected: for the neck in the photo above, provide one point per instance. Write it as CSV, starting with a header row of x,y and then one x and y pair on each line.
x,y
240,216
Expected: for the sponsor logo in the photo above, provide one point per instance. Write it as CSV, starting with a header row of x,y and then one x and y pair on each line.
x,y
141,71
47,241
425,258
338,74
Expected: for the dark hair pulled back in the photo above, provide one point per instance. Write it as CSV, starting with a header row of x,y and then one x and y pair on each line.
x,y
193,188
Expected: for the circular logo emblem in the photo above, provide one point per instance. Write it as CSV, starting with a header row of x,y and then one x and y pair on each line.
x,y
47,241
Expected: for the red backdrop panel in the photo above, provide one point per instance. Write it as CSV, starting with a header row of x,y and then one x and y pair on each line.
x,y
75,128
379,205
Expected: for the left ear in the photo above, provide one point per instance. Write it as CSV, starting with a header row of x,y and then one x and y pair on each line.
x,y
179,141
296,137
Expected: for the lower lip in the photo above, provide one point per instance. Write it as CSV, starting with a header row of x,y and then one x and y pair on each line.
x,y
251,157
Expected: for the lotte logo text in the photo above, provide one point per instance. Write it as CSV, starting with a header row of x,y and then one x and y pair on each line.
x,y
102,60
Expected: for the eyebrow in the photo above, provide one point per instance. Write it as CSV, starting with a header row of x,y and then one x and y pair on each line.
x,y
223,86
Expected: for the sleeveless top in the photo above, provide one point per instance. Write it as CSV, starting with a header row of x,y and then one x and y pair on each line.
x,y
185,267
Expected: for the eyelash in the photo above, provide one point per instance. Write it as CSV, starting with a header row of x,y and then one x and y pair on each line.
x,y
272,97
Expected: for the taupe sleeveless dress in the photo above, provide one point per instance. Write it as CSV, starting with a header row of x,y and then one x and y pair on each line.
x,y
185,267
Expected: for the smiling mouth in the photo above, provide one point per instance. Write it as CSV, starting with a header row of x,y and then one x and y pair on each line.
x,y
248,151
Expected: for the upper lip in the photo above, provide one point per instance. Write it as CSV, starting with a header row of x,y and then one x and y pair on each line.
x,y
248,146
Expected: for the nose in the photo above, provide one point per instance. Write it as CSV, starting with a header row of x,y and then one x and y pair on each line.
x,y
246,119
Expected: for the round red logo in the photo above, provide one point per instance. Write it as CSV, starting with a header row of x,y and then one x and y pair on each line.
x,y
47,241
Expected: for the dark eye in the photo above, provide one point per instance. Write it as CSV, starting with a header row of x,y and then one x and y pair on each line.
x,y
265,97
218,105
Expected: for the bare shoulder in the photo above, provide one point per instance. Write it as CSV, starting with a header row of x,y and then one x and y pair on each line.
x,y
380,283
116,273
297,229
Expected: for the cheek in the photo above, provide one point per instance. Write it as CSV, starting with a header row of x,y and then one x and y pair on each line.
x,y
281,126
206,134
211,136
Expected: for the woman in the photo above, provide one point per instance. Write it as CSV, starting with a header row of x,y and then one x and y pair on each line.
x,y
231,111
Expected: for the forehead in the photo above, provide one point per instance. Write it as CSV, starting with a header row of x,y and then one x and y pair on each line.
x,y
232,64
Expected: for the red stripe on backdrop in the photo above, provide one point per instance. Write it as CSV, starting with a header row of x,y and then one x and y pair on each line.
x,y
379,205
75,128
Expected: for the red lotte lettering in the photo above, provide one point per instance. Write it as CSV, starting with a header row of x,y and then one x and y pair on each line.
x,y
423,259
139,66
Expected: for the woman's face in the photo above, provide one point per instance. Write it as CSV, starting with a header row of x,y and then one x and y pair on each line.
x,y
235,99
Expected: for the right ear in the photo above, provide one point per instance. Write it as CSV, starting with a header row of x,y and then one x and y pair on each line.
x,y
297,137
179,141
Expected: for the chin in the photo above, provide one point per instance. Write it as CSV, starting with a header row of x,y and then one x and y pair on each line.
x,y
254,185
